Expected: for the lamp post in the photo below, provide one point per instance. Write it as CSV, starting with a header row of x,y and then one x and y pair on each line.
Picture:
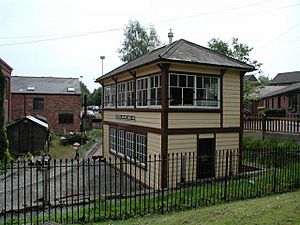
x,y
102,57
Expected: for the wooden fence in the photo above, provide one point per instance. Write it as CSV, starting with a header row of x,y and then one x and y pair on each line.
x,y
272,124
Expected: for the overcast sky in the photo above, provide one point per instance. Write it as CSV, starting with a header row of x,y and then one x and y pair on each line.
x,y
65,38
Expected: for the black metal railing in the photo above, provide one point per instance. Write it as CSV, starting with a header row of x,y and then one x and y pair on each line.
x,y
95,190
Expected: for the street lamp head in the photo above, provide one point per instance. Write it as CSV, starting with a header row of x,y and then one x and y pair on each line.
x,y
102,57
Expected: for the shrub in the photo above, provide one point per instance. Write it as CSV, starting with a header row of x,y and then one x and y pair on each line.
x,y
71,138
275,112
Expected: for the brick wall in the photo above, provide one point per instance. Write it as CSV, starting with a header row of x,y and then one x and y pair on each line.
x,y
53,105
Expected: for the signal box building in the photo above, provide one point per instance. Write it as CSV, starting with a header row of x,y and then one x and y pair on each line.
x,y
179,98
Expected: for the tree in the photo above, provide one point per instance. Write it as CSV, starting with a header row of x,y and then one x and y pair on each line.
x,y
236,50
240,52
96,96
4,145
84,91
137,41
264,80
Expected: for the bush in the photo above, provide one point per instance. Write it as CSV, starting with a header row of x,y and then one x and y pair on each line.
x,y
275,112
71,138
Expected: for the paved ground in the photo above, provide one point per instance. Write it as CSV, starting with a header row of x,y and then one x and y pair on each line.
x,y
61,183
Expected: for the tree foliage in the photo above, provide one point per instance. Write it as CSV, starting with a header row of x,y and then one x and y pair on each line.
x,y
235,50
264,80
93,98
240,51
138,40
84,91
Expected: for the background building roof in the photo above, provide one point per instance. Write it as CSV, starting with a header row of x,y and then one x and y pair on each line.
x,y
181,51
285,89
286,78
45,85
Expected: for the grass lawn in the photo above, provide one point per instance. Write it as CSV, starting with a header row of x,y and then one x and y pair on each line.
x,y
277,209
59,151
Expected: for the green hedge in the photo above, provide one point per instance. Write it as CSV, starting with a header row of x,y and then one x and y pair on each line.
x,y
273,112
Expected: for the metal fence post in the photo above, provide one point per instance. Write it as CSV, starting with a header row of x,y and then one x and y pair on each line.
x,y
226,177
264,123
275,172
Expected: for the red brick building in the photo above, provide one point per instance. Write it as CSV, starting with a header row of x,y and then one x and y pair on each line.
x,y
6,70
56,99
283,92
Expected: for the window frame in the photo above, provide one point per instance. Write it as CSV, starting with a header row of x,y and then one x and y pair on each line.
x,y
65,114
122,94
195,88
111,102
34,103
134,146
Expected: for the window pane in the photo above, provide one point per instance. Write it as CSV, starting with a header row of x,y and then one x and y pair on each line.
x,y
175,96
191,81
214,83
188,96
199,82
182,81
206,82
158,96
173,80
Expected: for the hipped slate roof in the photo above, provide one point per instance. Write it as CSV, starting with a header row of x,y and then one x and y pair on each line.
x,y
181,51
286,78
45,85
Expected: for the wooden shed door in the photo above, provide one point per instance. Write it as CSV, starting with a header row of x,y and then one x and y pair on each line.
x,y
205,158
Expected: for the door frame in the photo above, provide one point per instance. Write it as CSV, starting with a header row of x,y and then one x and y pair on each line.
x,y
213,150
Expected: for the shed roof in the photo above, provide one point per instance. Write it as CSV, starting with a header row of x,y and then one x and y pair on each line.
x,y
181,51
45,85
286,78
33,119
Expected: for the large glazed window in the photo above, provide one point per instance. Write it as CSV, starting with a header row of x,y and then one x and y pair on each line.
x,y
122,94
128,145
199,91
110,96
142,92
155,90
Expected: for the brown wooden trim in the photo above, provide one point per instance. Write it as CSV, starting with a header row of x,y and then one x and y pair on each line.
x,y
170,110
221,97
194,73
241,118
133,74
173,131
164,123
133,109
191,110
133,128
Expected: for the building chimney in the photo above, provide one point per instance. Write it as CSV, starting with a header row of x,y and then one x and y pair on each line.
x,y
170,36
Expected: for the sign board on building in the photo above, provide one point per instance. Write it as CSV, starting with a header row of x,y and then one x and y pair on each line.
x,y
124,117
